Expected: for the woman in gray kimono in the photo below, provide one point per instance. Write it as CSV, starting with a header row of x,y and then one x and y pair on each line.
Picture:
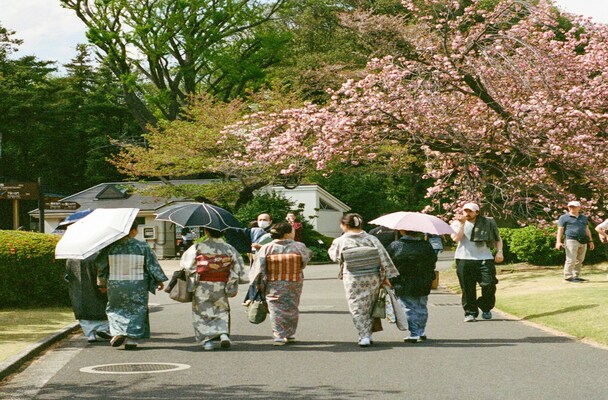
x,y
213,267
280,264
130,269
364,264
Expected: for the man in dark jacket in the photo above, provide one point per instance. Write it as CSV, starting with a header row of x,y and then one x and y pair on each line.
x,y
415,260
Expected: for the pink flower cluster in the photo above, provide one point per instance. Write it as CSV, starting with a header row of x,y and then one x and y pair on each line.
x,y
506,107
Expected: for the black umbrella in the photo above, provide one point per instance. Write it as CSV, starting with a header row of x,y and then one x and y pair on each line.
x,y
199,214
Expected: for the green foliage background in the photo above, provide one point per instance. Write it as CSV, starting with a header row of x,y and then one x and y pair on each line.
x,y
30,274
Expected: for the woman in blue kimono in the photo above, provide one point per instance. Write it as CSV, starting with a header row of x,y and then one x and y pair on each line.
x,y
130,269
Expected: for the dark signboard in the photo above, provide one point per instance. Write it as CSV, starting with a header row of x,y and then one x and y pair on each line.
x,y
19,191
61,205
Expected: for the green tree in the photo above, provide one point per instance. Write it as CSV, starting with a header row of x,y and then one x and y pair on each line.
x,y
165,51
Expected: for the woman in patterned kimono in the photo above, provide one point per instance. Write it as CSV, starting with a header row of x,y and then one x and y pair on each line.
x,y
130,269
362,280
213,267
280,264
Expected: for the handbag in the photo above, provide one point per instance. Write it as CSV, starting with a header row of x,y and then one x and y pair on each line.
x,y
379,309
178,287
398,313
257,309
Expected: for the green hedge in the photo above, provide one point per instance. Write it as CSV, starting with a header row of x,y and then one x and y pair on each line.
x,y
30,274
537,246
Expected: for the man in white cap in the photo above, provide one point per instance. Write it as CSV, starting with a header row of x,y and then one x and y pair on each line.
x,y
575,226
476,236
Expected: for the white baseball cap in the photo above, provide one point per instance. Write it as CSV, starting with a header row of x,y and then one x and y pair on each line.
x,y
574,204
471,206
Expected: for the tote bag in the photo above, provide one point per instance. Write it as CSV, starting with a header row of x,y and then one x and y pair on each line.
x,y
395,310
179,291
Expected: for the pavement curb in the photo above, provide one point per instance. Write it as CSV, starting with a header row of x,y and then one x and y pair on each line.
x,y
12,364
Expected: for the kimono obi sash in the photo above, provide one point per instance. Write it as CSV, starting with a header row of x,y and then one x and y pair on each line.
x,y
284,267
126,267
361,260
213,267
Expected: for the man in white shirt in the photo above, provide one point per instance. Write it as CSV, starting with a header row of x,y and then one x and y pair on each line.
x,y
476,236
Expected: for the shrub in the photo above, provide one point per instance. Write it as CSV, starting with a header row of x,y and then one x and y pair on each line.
x,y
535,246
30,274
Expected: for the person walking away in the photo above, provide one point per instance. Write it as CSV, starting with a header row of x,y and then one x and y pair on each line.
x,y
415,260
257,236
476,236
292,218
575,226
88,300
129,269
281,264
363,261
214,268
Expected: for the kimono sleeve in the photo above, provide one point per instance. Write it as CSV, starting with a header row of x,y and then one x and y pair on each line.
x,y
152,265
238,266
334,250
188,260
305,252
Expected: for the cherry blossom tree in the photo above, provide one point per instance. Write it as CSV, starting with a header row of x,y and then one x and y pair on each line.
x,y
507,101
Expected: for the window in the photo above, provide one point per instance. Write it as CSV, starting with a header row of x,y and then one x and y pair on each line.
x,y
324,206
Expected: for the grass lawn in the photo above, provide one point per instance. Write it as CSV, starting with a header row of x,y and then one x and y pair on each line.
x,y
21,328
540,295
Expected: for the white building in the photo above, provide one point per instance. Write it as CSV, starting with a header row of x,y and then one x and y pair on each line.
x,y
321,208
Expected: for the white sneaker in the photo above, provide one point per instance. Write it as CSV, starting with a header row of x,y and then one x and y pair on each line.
x,y
411,339
208,345
224,341
469,318
365,342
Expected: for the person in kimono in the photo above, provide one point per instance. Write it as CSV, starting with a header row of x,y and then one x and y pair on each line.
x,y
280,264
88,300
129,269
415,260
214,268
365,265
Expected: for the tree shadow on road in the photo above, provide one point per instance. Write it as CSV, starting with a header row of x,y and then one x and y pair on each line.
x,y
561,311
495,342
122,390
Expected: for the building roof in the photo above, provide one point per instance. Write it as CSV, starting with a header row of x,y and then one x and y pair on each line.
x,y
121,195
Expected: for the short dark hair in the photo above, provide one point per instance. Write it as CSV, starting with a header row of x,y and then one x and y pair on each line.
x,y
280,229
213,233
134,225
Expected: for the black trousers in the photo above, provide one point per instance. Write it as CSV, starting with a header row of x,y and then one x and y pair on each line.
x,y
470,273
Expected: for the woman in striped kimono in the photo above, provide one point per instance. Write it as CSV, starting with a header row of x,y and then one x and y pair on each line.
x,y
362,258
280,264
214,268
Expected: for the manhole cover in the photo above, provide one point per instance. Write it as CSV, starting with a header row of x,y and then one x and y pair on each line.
x,y
134,368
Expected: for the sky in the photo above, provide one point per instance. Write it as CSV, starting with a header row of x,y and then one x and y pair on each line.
x,y
51,32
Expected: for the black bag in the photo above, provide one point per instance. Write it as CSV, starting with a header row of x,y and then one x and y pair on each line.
x,y
583,239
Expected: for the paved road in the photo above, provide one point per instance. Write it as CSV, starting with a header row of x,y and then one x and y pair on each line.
x,y
497,359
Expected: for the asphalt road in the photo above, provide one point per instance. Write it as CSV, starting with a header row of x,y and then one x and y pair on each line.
x,y
498,359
